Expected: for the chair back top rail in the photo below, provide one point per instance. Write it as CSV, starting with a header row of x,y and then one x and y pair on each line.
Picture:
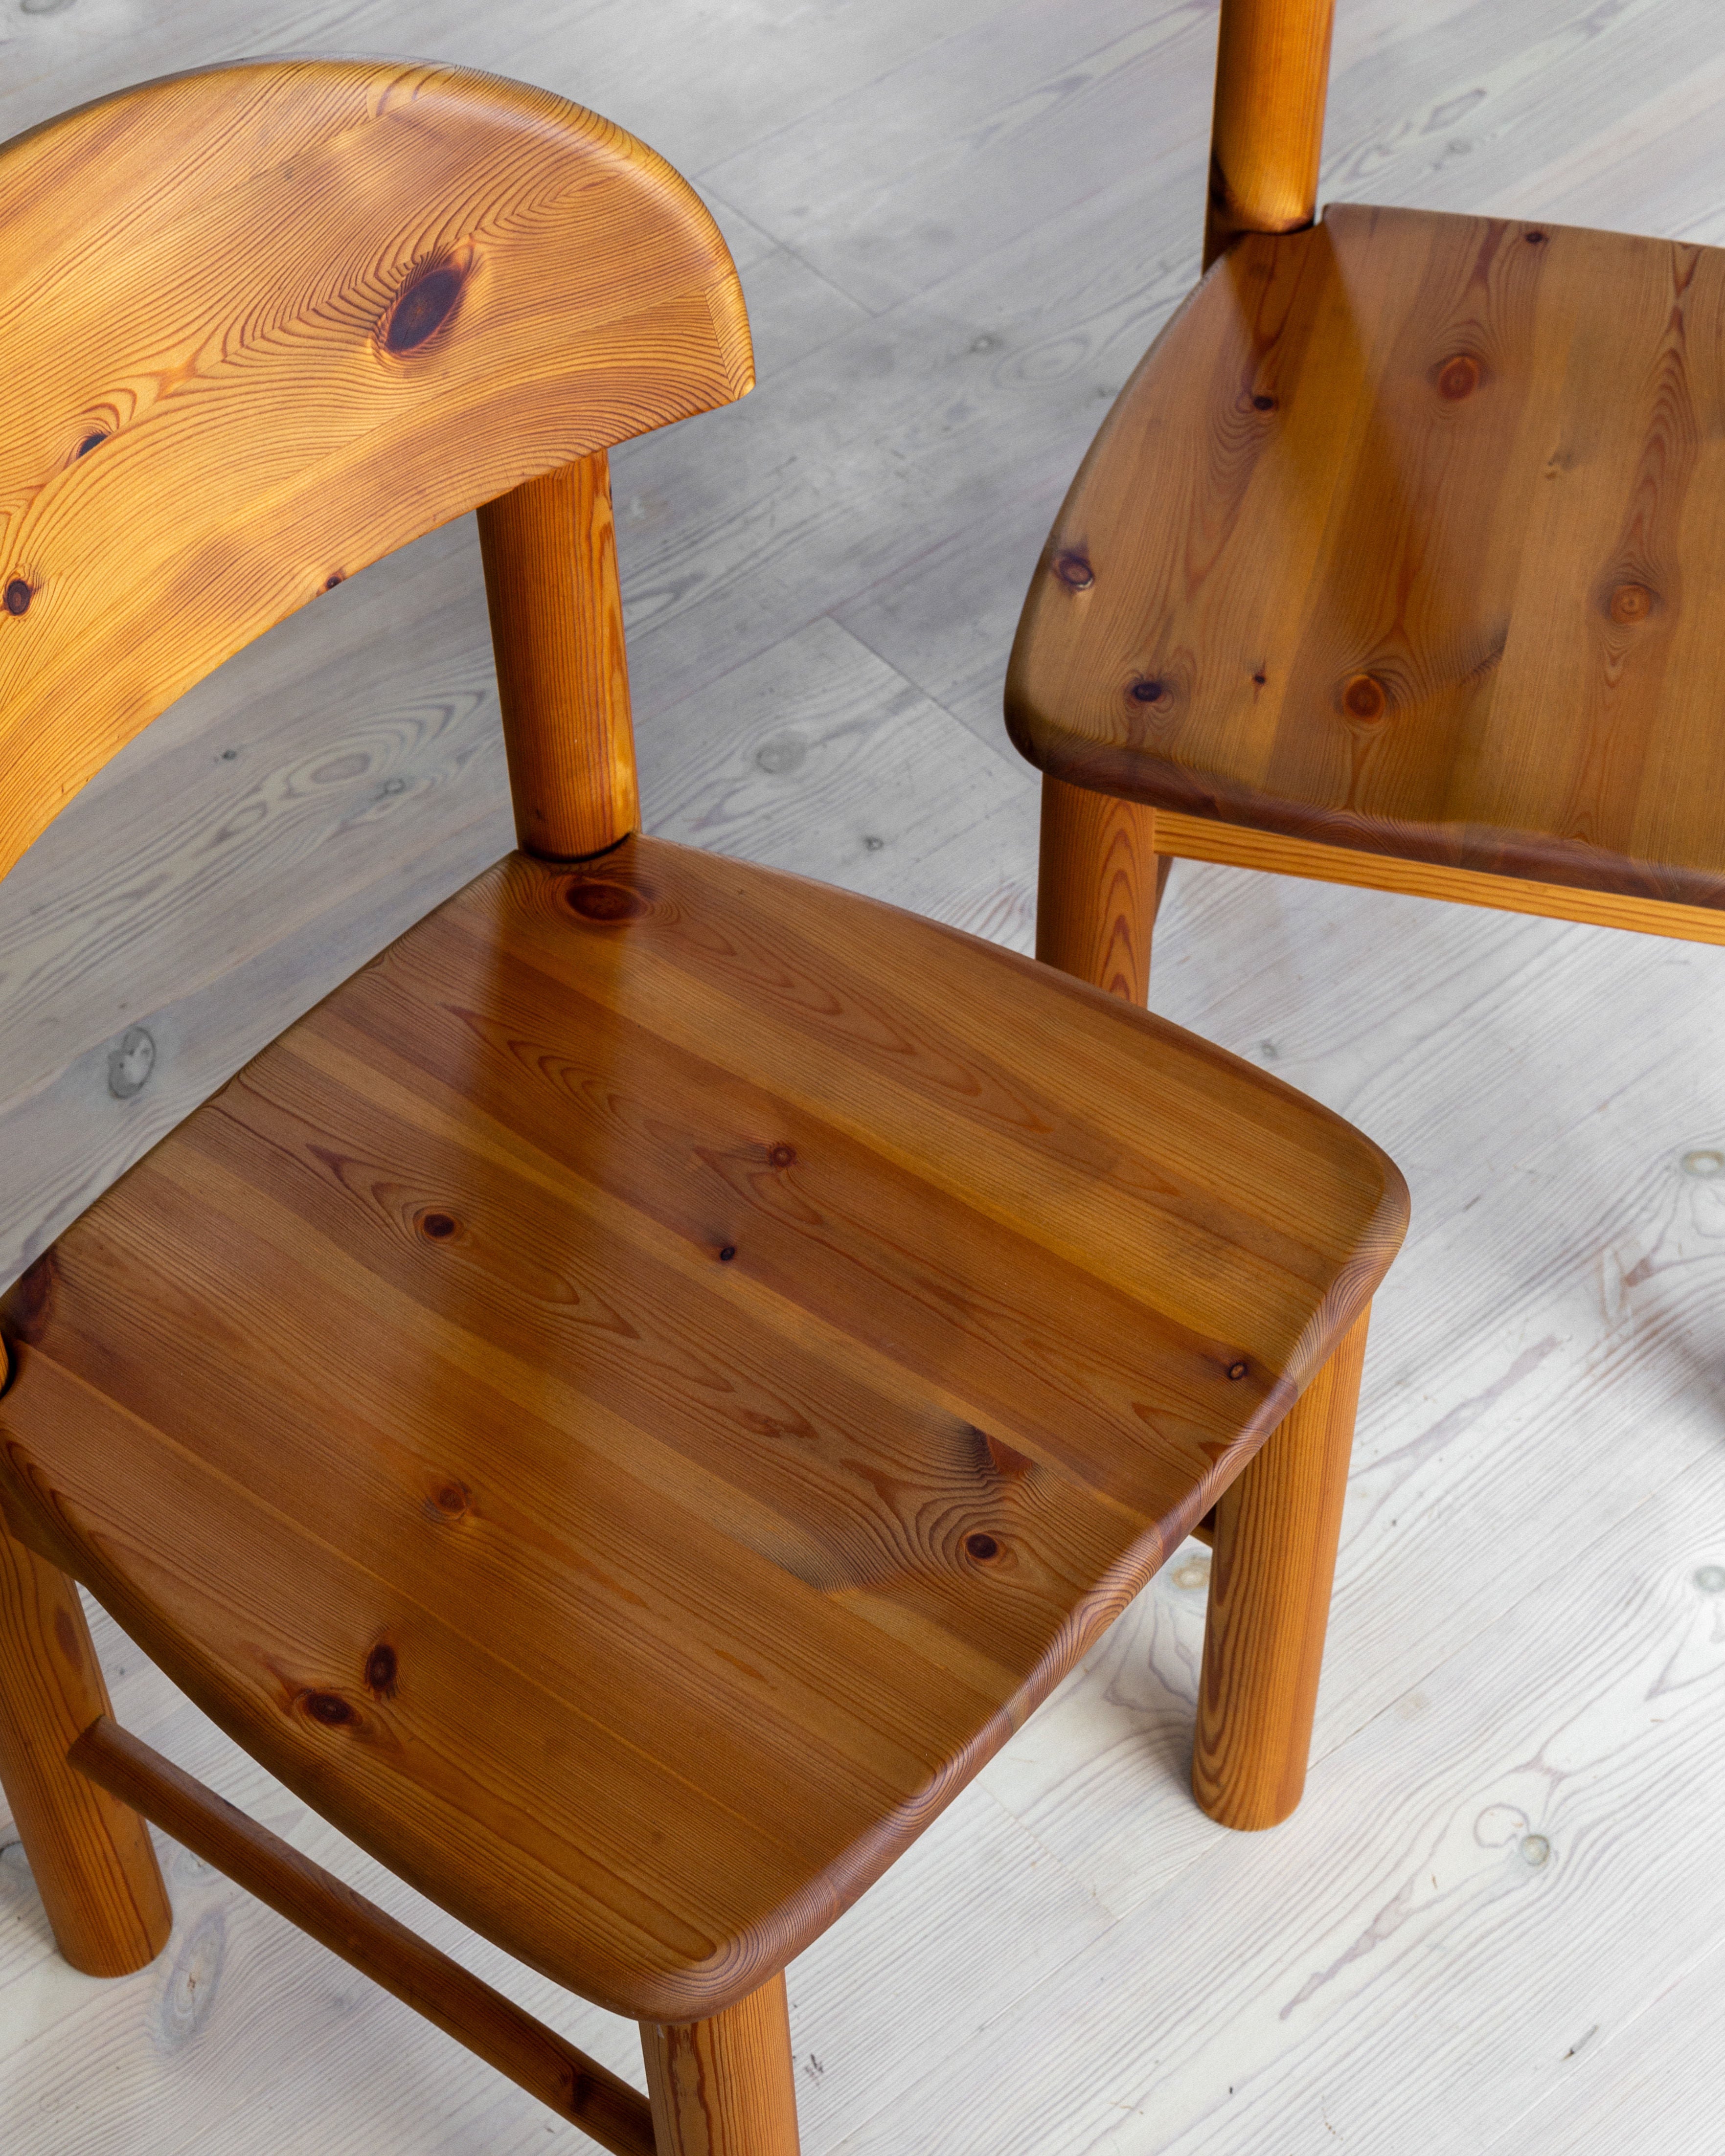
x,y
265,323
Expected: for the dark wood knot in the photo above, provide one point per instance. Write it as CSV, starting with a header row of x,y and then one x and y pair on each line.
x,y
381,1669
1236,1370
604,904
1363,697
783,1156
19,595
422,306
1074,572
453,1500
1459,377
1261,403
1146,692
328,1707
439,1226
90,442
1535,239
1632,603
981,1547
727,1254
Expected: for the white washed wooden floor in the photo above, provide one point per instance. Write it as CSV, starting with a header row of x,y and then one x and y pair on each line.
x,y
1497,1926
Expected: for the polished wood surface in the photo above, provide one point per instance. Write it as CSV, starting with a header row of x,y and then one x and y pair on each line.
x,y
440,286
91,1855
1051,1902
672,1362
726,2086
550,551
1438,530
1270,1575
1267,131
112,1760
1201,839
1100,884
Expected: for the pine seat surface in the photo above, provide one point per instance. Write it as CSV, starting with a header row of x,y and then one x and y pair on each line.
x,y
1404,537
627,1403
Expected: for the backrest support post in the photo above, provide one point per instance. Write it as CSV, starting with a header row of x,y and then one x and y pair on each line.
x,y
550,553
1272,74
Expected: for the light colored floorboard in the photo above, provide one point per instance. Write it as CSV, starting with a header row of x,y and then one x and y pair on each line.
x,y
817,756
236,862
1397,1966
892,187
958,224
1641,2087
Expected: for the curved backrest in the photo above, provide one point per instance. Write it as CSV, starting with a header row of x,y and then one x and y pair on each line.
x,y
261,325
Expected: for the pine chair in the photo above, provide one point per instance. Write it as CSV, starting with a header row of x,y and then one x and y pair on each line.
x,y
628,1404
1390,565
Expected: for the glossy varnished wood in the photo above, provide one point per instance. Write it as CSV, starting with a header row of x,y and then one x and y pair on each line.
x,y
318,307
1274,1564
90,1854
1202,838
114,1762
1267,131
1098,886
726,2086
1440,517
940,1995
550,553
672,1362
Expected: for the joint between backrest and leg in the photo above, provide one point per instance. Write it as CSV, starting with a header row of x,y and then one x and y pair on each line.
x,y
550,554
1266,133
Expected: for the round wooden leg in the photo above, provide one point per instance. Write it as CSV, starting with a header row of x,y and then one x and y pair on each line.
x,y
1270,1602
91,1855
725,2087
1098,886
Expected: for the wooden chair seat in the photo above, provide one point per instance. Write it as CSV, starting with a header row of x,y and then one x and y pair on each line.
x,y
1400,540
626,1405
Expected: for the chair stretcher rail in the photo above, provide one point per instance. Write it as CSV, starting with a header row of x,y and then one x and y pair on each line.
x,y
533,2056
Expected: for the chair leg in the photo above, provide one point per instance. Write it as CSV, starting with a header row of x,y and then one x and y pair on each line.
x,y
725,2087
91,1855
1271,1576
1098,886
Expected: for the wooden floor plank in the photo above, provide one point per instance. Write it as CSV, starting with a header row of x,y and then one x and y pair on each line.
x,y
821,757
1632,2088
1075,1958
1033,91
1396,1965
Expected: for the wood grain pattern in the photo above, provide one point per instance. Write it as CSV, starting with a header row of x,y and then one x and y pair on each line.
x,y
1200,838
1432,1841
91,1855
787,1437
562,2078
550,553
258,845
726,2086
1098,886
452,284
1091,2018
1266,132
1270,1575
1437,586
